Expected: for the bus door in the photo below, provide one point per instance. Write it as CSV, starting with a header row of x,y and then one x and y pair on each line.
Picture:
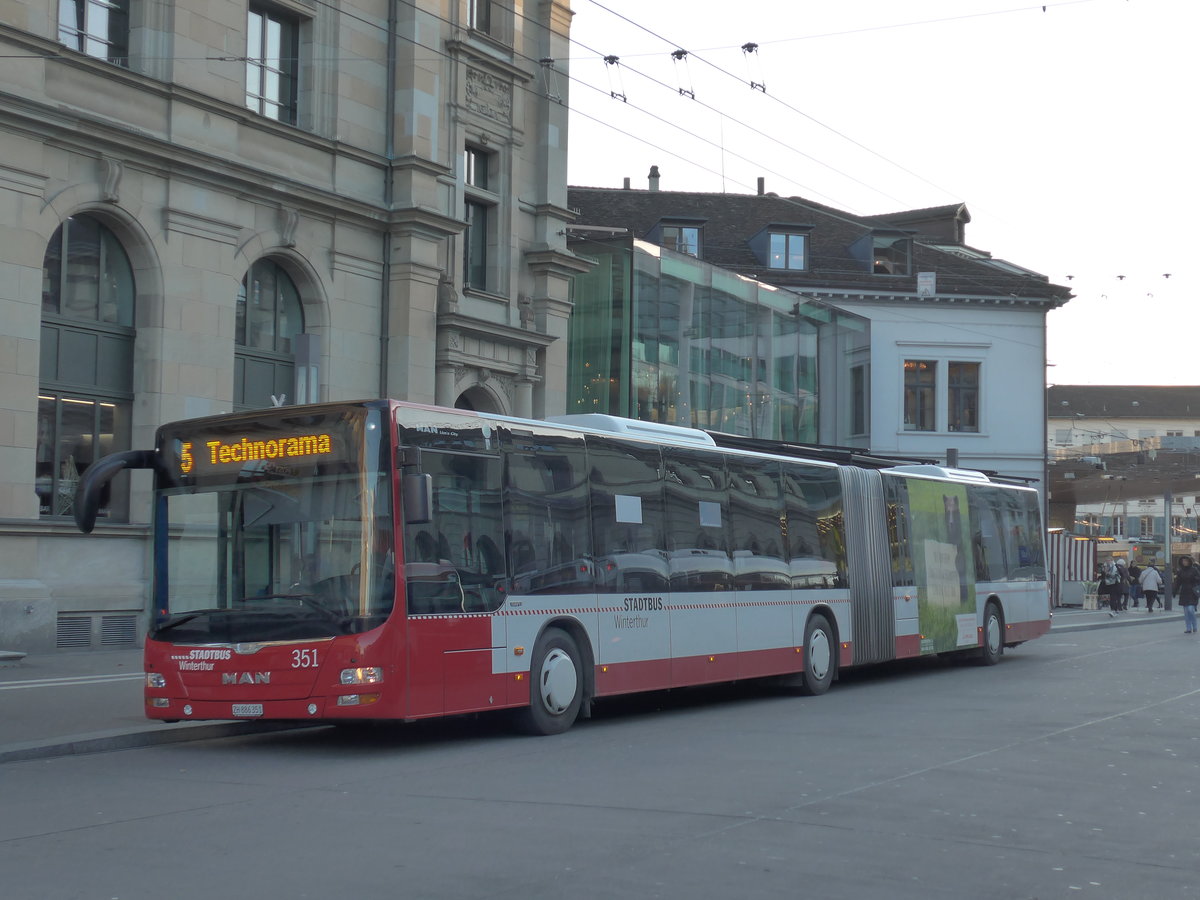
x,y
872,602
762,573
547,541
816,548
704,615
454,580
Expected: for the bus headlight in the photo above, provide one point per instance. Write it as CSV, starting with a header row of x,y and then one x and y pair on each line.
x,y
362,675
156,680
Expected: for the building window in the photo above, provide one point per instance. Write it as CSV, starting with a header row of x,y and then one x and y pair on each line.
x,y
477,168
475,245
1062,435
481,15
920,388
480,206
269,316
86,383
682,238
788,251
272,64
891,254
99,28
858,400
962,407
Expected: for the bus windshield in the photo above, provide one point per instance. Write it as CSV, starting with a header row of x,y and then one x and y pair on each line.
x,y
265,546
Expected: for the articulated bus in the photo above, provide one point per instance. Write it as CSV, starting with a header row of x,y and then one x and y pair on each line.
x,y
383,560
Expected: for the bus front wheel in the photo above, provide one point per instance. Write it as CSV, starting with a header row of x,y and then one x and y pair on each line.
x,y
820,656
555,685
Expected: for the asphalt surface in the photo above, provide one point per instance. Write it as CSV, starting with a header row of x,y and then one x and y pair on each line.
x,y
59,704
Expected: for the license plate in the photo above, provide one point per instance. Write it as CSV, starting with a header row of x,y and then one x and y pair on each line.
x,y
247,709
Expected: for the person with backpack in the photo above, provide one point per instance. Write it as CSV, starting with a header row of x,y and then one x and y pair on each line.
x,y
1151,583
1123,581
1186,586
1110,586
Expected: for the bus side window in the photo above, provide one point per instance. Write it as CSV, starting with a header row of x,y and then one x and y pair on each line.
x,y
446,573
547,538
697,504
756,519
815,526
627,517
987,533
895,491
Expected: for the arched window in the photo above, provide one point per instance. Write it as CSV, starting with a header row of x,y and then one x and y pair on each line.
x,y
269,316
86,383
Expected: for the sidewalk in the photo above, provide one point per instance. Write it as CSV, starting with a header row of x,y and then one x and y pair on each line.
x,y
59,704
1071,618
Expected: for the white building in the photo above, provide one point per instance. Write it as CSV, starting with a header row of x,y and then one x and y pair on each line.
x,y
955,364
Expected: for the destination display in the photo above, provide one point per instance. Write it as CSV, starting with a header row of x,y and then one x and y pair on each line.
x,y
260,452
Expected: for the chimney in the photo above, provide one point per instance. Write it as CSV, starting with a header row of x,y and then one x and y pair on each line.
x,y
626,182
654,178
762,185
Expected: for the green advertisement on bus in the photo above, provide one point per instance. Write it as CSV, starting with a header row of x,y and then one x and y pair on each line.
x,y
943,564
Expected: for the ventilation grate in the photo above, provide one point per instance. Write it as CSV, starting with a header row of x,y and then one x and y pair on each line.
x,y
74,631
118,631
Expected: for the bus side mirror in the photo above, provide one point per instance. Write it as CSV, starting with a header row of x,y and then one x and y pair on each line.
x,y
416,493
100,473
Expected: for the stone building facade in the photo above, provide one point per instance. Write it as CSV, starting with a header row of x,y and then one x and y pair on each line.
x,y
217,206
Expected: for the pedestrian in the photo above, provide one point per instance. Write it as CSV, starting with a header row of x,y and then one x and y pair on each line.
x,y
1151,583
1110,586
1186,586
1123,575
1135,584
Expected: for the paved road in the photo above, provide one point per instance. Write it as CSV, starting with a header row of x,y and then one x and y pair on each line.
x,y
1065,771
81,702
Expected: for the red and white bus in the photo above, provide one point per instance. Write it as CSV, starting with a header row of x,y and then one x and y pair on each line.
x,y
382,560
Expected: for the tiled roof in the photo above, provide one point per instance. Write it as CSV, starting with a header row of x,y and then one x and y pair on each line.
x,y
731,220
1123,401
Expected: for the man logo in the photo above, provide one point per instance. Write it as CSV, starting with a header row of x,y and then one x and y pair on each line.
x,y
245,678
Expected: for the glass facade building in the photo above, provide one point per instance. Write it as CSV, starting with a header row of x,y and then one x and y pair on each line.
x,y
661,336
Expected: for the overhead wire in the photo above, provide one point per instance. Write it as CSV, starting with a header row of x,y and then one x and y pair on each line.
x,y
438,52
811,118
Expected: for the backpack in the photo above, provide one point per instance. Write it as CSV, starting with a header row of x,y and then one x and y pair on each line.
x,y
1110,573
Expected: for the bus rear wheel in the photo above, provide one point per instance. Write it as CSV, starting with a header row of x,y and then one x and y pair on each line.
x,y
820,656
555,685
993,636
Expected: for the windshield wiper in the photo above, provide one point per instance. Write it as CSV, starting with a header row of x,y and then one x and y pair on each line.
x,y
306,599
174,621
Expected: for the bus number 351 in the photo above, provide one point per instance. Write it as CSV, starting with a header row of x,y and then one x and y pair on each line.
x,y
304,659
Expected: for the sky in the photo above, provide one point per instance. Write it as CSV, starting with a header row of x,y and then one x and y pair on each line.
x,y
1068,128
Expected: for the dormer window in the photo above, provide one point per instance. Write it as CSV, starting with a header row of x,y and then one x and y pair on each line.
x,y
891,254
782,245
788,251
681,238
